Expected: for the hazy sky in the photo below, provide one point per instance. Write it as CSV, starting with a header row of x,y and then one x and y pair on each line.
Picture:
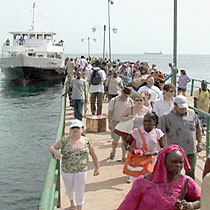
x,y
143,25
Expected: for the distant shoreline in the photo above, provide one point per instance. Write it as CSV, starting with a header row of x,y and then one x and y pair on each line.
x,y
93,54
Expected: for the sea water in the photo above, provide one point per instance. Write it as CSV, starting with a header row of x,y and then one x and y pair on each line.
x,y
29,119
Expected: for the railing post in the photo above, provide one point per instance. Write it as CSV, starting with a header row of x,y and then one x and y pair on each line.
x,y
174,77
58,184
192,87
207,136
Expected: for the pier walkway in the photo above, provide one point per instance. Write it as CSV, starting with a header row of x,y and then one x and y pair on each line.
x,y
106,191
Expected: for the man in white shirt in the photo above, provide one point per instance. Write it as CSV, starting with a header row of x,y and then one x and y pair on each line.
x,y
96,88
151,89
82,63
166,104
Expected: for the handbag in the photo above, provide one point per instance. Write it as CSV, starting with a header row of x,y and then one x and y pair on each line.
x,y
124,128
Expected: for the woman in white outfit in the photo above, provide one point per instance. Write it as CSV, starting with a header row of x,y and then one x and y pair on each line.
x,y
74,154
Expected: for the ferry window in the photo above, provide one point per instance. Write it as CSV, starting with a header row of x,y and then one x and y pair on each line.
x,y
32,36
48,36
25,36
31,54
17,36
40,56
39,36
51,56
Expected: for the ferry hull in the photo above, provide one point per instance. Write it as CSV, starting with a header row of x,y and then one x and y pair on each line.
x,y
31,74
30,70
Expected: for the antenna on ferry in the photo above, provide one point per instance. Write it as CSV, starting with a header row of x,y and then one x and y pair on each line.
x,y
33,13
33,18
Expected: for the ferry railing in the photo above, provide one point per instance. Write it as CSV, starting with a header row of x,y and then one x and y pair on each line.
x,y
50,198
207,117
195,83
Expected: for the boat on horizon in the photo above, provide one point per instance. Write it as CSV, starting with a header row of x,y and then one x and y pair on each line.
x,y
32,56
154,53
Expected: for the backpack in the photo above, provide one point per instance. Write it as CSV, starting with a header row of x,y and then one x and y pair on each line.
x,y
95,78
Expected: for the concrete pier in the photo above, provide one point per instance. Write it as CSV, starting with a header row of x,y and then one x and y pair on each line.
x,y
106,191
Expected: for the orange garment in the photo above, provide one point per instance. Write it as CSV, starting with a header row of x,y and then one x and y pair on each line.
x,y
144,164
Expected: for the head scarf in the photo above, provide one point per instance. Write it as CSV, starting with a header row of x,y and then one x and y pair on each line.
x,y
159,174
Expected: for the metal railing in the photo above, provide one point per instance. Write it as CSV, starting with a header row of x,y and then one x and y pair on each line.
x,y
207,117
50,199
194,84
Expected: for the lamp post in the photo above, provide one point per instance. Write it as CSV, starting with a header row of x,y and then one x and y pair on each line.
x,y
88,41
109,25
104,42
104,38
175,44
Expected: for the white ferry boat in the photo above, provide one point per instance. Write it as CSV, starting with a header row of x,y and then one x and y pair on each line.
x,y
32,56
154,53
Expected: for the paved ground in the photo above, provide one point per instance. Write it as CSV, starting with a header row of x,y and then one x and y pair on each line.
x,y
106,191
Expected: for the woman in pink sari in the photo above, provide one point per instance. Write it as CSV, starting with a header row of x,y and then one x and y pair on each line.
x,y
165,188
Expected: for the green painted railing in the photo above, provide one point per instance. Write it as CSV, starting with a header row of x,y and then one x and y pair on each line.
x,y
195,84
50,199
207,116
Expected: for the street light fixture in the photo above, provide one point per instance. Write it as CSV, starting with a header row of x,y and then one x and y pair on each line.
x,y
88,41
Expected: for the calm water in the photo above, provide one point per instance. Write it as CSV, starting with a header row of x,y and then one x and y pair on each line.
x,y
29,118
28,124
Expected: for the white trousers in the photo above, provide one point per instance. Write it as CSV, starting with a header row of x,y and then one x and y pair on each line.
x,y
75,186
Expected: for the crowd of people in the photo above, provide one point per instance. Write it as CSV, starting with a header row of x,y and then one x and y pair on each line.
x,y
160,135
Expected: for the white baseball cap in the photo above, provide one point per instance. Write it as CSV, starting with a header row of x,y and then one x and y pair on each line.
x,y
181,101
76,123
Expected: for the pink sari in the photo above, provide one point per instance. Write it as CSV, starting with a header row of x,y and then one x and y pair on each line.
x,y
147,195
156,193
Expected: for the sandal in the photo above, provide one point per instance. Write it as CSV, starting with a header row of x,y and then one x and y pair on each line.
x,y
122,160
112,156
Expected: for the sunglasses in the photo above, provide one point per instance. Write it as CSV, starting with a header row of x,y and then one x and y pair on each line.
x,y
139,100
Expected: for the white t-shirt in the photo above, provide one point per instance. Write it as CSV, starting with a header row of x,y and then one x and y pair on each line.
x,y
162,107
82,63
114,85
97,88
118,107
152,138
